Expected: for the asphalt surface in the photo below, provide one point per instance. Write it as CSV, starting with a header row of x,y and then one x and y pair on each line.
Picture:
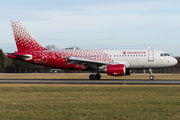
x,y
86,81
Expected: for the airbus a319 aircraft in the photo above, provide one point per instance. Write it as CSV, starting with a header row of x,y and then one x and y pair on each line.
x,y
113,62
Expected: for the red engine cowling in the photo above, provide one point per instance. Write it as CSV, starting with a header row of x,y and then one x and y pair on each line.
x,y
116,70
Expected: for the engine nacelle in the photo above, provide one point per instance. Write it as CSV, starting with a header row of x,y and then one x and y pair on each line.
x,y
117,70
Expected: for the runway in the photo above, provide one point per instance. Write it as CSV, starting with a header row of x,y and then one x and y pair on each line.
x,y
86,81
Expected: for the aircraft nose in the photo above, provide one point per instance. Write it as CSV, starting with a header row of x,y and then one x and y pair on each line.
x,y
174,61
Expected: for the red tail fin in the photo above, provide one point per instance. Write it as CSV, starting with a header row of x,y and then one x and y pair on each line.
x,y
24,40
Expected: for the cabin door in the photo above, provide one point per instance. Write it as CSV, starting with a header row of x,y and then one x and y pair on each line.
x,y
150,55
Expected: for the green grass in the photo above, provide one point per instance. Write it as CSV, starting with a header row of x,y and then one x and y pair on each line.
x,y
87,102
84,76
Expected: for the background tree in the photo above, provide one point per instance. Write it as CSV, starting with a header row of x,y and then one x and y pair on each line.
x,y
72,48
16,64
51,47
22,66
2,61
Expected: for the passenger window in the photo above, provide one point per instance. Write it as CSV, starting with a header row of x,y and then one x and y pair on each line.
x,y
114,55
110,55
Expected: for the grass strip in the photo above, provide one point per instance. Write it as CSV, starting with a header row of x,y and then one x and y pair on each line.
x,y
79,102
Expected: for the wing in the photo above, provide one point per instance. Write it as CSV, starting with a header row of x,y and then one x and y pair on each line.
x,y
86,62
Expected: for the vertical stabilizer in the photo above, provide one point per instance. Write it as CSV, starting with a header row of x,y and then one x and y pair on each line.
x,y
24,40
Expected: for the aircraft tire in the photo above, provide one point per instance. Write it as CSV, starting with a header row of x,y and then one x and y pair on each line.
x,y
151,77
98,76
92,77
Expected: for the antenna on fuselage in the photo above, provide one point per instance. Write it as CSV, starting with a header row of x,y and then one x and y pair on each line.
x,y
148,47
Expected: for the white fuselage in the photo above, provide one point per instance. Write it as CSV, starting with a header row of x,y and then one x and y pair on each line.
x,y
141,58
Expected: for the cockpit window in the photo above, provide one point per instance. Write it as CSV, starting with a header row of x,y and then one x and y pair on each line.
x,y
164,54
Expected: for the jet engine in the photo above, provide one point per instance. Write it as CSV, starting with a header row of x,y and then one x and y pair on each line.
x,y
117,70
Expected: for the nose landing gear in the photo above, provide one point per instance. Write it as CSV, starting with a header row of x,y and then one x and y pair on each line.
x,y
151,76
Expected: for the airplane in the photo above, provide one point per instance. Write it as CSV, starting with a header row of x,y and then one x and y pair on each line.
x,y
117,62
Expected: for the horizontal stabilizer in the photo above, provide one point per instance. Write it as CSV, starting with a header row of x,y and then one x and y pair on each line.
x,y
26,56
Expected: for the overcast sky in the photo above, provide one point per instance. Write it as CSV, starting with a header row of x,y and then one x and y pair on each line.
x,y
90,24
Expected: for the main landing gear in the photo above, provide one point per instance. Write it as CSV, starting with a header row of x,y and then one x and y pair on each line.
x,y
151,76
95,77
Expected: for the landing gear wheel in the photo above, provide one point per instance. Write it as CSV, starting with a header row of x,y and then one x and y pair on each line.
x,y
150,72
151,77
92,77
98,76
